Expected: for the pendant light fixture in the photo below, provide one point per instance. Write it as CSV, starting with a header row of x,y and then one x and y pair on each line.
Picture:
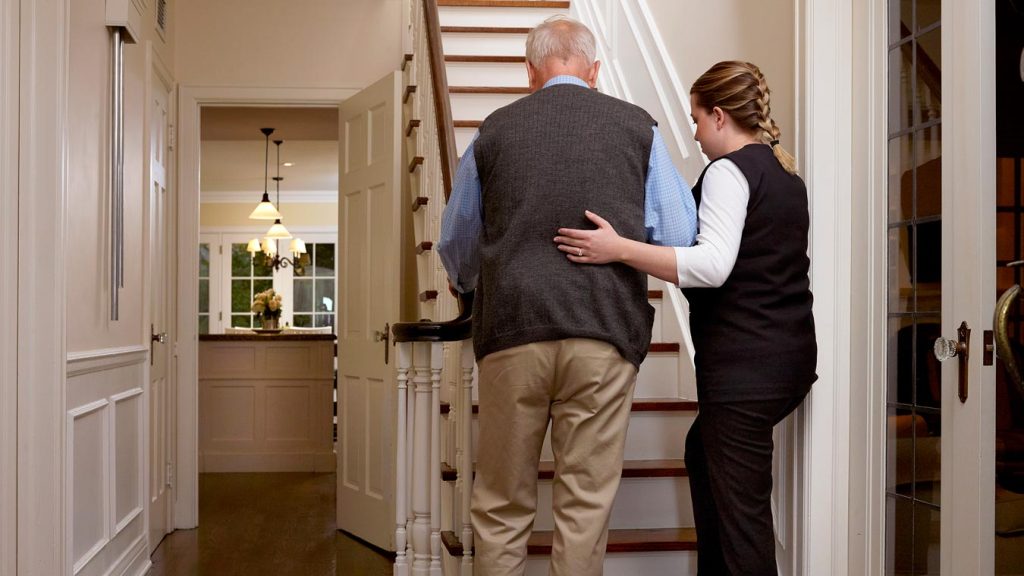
x,y
265,210
277,232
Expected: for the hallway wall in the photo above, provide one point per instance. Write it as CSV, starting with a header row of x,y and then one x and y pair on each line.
x,y
280,43
699,34
106,400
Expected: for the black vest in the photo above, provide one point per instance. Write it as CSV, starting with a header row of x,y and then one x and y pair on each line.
x,y
754,336
542,161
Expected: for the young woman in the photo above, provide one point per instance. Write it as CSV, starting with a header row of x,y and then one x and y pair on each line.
x,y
750,311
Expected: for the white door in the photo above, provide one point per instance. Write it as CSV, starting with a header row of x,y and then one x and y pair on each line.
x,y
160,403
944,238
369,276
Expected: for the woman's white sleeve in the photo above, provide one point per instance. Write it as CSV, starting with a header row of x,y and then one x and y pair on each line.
x,y
722,213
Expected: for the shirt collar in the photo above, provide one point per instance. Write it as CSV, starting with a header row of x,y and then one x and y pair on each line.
x,y
566,79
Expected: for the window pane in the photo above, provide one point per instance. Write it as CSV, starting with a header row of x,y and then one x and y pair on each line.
x,y
260,285
900,370
241,261
901,179
929,76
241,320
323,258
899,453
928,266
204,295
926,540
900,19
324,295
928,161
303,320
241,295
901,295
899,546
260,267
324,320
204,324
303,295
204,260
929,374
900,101
928,12
928,458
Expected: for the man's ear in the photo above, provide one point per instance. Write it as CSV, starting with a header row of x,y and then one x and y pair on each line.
x,y
592,74
531,74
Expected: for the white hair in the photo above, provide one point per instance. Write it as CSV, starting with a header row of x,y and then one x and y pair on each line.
x,y
560,37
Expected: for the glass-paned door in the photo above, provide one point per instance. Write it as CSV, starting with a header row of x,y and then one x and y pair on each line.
x,y
313,288
1009,390
913,391
249,276
945,235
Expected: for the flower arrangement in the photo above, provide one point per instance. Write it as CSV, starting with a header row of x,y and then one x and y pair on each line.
x,y
267,305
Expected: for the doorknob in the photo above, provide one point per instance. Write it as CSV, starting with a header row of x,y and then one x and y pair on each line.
x,y
384,337
959,348
160,338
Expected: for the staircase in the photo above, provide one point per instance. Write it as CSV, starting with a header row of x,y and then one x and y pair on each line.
x,y
652,519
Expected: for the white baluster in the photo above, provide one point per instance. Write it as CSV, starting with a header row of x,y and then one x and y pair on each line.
x,y
422,466
436,363
466,464
401,472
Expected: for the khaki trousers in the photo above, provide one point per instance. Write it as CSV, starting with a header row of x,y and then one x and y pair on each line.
x,y
585,388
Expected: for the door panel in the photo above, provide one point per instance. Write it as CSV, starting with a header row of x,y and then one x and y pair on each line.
x,y
369,272
160,456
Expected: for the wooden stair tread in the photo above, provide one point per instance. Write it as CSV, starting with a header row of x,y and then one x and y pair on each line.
x,y
670,468
664,347
639,405
485,59
506,3
632,540
467,123
488,90
483,30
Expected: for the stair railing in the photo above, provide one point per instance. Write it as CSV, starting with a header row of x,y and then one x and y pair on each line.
x,y
431,352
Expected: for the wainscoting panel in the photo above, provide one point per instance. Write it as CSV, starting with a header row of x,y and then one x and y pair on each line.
x,y
106,435
353,442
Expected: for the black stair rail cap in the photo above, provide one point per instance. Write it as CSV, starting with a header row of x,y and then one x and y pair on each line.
x,y
461,328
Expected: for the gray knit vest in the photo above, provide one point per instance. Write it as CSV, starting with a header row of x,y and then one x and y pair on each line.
x,y
542,161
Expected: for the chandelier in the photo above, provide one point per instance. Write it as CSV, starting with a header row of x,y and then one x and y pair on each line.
x,y
265,210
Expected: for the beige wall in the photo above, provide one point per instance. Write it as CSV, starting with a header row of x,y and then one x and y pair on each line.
x,y
88,310
699,34
215,215
271,43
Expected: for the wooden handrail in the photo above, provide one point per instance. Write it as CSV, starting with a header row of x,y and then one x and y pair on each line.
x,y
442,104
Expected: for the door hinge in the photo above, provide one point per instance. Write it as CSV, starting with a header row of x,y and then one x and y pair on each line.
x,y
220,249
170,475
220,316
172,136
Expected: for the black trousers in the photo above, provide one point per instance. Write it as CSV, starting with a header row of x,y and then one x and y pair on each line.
x,y
729,460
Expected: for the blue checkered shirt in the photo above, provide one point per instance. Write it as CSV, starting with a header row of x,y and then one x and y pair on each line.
x,y
670,214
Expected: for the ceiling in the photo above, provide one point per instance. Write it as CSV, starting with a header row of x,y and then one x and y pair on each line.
x,y
233,149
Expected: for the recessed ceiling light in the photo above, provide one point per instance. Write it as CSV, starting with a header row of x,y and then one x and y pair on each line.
x,y
288,164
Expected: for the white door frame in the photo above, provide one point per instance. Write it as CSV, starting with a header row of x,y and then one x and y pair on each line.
x,y
190,100
8,285
41,357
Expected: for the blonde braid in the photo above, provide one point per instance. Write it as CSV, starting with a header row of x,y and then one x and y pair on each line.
x,y
769,129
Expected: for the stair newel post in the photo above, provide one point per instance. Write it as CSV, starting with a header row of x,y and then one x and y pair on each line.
x,y
422,466
467,362
436,364
401,472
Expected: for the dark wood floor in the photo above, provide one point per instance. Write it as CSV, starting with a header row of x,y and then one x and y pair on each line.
x,y
267,524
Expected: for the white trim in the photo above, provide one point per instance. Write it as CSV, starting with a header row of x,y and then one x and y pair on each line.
x,y
80,363
69,481
42,300
826,162
9,285
247,196
260,229
191,99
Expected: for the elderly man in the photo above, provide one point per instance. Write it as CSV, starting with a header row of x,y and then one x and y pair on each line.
x,y
555,341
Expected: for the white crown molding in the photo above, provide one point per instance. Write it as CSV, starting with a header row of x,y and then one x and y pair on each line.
x,y
258,230
252,197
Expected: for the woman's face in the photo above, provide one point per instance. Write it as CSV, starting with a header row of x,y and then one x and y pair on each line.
x,y
708,131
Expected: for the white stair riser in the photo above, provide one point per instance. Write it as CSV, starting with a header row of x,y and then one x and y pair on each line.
x,y
489,16
484,44
486,74
479,106
639,503
659,318
658,376
632,564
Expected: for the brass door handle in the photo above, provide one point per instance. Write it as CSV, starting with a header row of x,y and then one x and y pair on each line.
x,y
960,348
